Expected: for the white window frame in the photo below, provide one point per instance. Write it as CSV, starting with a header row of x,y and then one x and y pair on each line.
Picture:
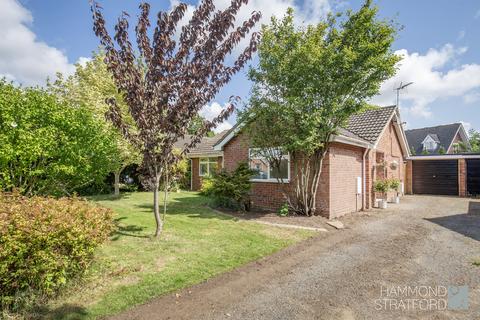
x,y
208,162
428,143
274,180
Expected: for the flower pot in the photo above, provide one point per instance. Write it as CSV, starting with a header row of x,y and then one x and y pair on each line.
x,y
382,204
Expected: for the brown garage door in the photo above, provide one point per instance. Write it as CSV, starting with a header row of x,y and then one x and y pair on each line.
x,y
473,176
435,177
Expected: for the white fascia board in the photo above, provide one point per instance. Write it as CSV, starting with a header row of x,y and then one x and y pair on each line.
x,y
225,140
351,141
445,157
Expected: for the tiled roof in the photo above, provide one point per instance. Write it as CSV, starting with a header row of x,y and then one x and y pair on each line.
x,y
345,133
205,147
366,126
444,135
369,125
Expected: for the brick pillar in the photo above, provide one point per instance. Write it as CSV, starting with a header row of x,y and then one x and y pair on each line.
x,y
369,161
462,178
409,177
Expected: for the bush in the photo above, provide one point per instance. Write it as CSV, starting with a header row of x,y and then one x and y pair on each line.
x,y
230,190
283,211
381,186
50,147
394,184
44,242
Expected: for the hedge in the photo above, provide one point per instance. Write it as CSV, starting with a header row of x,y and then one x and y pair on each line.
x,y
44,242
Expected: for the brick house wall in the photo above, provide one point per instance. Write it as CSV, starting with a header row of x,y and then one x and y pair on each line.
x,y
337,192
264,195
345,165
389,145
456,139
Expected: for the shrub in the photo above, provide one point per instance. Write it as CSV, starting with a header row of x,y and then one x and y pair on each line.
x,y
230,189
394,184
207,186
50,147
44,242
283,211
381,186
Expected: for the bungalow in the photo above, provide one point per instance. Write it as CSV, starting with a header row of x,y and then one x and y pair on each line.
x,y
371,146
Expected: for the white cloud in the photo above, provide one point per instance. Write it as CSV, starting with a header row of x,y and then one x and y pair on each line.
x,y
477,14
461,34
212,110
83,61
23,58
432,79
310,11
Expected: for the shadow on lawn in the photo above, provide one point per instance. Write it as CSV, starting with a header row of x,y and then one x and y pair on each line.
x,y
192,207
110,197
130,230
467,224
66,311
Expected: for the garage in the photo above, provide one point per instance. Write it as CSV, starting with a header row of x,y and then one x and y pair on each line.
x,y
473,177
438,177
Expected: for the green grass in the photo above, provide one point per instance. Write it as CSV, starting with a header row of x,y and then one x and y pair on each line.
x,y
476,262
197,244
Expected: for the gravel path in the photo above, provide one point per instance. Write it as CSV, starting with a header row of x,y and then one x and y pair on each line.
x,y
424,241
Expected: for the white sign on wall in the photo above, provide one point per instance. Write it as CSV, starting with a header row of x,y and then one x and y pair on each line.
x,y
359,185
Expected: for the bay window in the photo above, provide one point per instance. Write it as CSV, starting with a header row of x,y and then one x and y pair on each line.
x,y
208,166
264,171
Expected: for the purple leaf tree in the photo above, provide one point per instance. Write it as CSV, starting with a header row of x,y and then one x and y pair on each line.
x,y
171,78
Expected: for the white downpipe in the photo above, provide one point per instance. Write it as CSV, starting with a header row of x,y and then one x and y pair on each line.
x,y
364,182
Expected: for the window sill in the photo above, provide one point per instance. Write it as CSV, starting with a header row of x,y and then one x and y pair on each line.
x,y
270,180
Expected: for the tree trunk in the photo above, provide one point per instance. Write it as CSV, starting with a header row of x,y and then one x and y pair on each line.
x,y
165,197
117,183
156,207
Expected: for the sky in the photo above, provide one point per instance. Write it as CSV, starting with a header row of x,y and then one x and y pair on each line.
x,y
439,43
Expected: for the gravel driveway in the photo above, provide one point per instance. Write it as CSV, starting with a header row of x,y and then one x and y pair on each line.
x,y
425,242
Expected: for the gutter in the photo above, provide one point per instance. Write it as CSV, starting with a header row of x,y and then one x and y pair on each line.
x,y
445,157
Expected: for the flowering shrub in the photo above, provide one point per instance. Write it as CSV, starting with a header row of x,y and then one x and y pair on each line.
x,y
46,241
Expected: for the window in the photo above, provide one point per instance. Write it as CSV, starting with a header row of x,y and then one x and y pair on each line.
x,y
264,171
430,145
208,166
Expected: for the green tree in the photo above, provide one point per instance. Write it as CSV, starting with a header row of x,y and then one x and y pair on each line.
x,y
442,150
48,146
309,81
90,86
474,139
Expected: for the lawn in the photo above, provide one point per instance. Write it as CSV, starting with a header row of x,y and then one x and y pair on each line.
x,y
197,244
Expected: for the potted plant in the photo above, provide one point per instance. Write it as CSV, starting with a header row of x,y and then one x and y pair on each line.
x,y
382,187
395,185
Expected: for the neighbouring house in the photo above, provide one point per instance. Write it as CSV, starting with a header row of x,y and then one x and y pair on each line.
x,y
372,146
440,162
444,139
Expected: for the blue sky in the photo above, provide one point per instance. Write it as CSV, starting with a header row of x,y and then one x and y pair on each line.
x,y
439,42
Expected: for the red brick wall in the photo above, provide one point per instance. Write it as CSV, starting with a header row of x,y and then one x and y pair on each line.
x,y
457,139
462,178
264,195
196,181
389,145
409,178
345,167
